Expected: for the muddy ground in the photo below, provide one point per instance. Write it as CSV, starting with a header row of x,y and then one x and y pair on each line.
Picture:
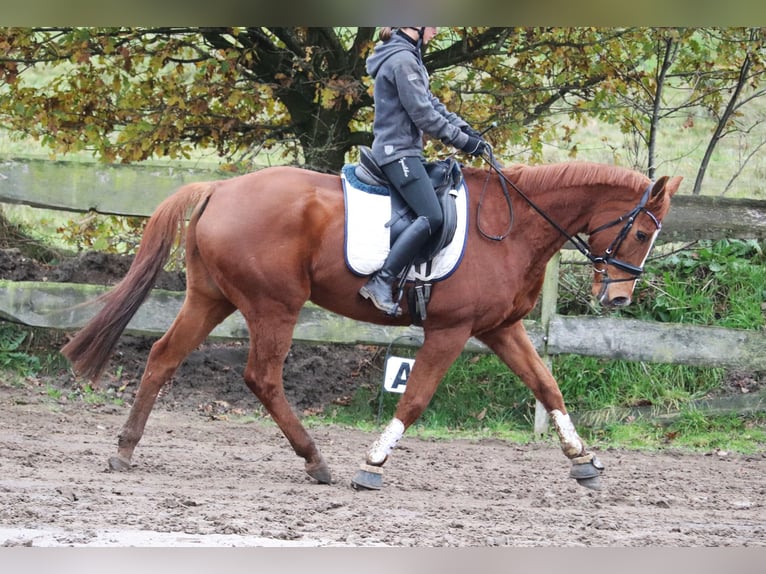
x,y
212,471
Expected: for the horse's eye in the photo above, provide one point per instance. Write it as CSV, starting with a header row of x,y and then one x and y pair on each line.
x,y
641,236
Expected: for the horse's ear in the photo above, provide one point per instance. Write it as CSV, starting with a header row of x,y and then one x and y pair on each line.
x,y
659,187
665,185
673,184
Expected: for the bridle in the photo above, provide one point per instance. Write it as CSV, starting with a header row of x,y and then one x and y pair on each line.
x,y
609,257
600,263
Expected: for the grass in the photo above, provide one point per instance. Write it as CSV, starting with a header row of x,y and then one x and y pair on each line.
x,y
480,398
693,431
590,383
25,355
82,393
718,283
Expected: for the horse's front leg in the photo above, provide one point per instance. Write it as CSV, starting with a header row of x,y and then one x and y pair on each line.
x,y
438,352
511,343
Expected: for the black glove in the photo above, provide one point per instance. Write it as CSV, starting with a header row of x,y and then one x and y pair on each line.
x,y
468,130
475,146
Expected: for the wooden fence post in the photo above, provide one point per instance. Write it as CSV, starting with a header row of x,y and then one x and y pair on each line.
x,y
548,304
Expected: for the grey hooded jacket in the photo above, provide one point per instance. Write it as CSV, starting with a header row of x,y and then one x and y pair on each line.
x,y
405,108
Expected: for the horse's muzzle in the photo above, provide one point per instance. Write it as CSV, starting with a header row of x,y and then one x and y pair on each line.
x,y
616,302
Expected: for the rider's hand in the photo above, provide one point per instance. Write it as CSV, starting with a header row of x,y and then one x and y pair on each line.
x,y
475,146
468,130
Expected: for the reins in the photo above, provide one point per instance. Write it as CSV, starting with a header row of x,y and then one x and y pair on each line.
x,y
578,242
504,182
508,201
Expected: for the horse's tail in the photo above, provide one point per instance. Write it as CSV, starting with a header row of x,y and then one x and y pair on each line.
x,y
90,349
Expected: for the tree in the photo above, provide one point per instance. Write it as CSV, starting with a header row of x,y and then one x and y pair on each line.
x,y
129,94
744,51
687,72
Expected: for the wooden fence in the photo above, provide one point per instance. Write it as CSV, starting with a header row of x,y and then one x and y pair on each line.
x,y
137,191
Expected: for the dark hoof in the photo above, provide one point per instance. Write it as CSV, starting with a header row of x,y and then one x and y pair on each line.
x,y
368,478
592,483
319,472
118,464
588,472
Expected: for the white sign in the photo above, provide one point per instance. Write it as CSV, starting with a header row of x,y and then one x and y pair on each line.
x,y
397,373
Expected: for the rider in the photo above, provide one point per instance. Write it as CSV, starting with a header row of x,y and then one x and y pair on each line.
x,y
405,109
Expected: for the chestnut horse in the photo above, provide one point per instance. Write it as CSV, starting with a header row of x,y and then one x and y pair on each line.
x,y
268,241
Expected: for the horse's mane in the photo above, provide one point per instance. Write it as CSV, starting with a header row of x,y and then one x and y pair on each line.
x,y
576,173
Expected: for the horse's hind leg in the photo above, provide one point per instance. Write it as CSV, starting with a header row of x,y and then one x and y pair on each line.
x,y
511,343
198,316
269,344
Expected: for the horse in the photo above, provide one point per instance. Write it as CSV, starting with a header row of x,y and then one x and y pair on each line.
x,y
266,242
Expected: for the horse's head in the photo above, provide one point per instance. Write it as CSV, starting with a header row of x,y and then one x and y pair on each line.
x,y
620,242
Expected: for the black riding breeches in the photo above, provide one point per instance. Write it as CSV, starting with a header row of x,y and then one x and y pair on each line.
x,y
408,175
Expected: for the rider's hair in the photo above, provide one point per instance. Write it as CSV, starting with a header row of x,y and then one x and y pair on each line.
x,y
385,34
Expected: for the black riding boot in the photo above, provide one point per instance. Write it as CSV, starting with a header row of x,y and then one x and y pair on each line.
x,y
379,289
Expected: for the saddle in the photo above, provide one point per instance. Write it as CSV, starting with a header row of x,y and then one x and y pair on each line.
x,y
445,176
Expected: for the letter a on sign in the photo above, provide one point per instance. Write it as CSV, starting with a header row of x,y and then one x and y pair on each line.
x,y
396,374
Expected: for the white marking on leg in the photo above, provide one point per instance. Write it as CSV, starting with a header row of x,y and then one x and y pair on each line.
x,y
571,443
381,448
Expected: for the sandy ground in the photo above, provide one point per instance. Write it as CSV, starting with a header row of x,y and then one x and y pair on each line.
x,y
205,477
201,480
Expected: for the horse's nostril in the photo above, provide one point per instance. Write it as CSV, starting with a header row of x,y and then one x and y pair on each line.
x,y
619,302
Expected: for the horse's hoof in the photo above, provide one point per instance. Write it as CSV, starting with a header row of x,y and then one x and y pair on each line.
x,y
587,471
319,472
594,483
368,478
118,464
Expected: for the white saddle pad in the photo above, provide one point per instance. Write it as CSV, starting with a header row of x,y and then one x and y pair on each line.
x,y
367,240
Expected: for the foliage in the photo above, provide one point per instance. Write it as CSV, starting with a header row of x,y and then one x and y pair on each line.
x,y
12,355
47,239
129,94
14,235
718,283
25,354
107,233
